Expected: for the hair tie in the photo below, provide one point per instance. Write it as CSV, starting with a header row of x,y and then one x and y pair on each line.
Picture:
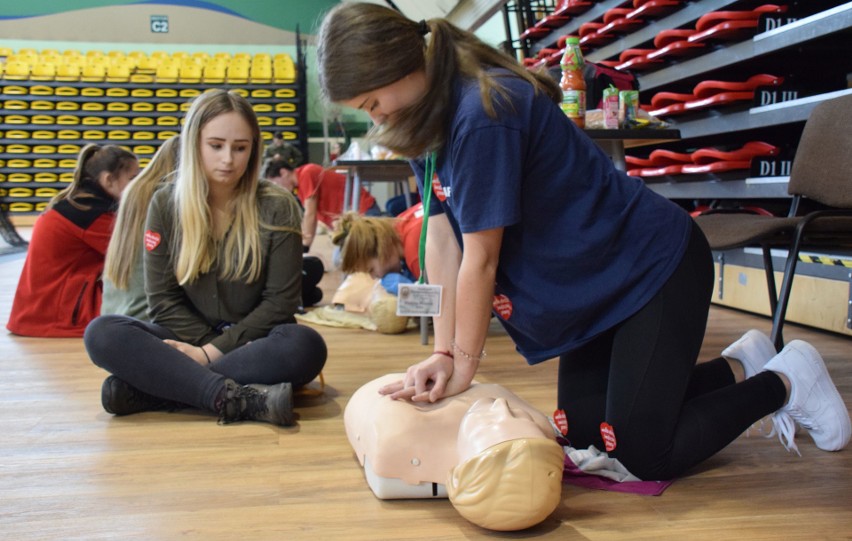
x,y
423,27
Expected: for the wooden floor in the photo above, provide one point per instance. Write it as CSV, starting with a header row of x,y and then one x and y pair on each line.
x,y
68,470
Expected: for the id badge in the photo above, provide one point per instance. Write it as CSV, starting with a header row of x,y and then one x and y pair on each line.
x,y
419,300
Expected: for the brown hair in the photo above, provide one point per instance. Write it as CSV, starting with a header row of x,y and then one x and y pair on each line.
x,y
363,238
93,160
362,47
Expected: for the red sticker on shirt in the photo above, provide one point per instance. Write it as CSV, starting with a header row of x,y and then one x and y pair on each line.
x,y
561,421
152,240
438,189
608,435
503,306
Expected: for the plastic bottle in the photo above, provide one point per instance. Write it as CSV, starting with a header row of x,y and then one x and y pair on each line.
x,y
573,84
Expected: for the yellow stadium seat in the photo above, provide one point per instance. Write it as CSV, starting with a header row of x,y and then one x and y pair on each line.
x,y
68,163
167,121
18,149
16,105
17,119
44,149
285,121
19,163
46,134
143,135
166,134
166,93
144,149
167,107
68,134
222,56
118,135
264,121
148,65
94,53
41,207
43,71
44,163
21,207
284,70
143,107
66,91
17,134
68,72
143,162
90,135
262,57
261,93
42,105
118,121
6,51
241,91
142,121
19,177
189,92
266,135
118,73
289,136
117,92
46,177
184,107
93,106
92,92
2,163
142,93
68,120
66,177
237,73
285,93
68,149
179,55
285,107
262,108
190,74
246,57
117,106
167,73
15,89
93,73
260,74
20,192
67,106
93,121
41,90
46,192
16,70
213,73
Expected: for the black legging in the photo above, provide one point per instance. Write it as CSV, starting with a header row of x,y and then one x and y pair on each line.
x,y
134,351
667,413
312,273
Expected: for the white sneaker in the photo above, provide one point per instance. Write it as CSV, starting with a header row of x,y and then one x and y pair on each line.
x,y
753,351
814,401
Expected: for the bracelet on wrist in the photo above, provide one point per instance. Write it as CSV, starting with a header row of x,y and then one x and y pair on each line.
x,y
444,353
467,355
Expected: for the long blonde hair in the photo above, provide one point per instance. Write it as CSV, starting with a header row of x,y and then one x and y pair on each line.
x,y
362,47
125,245
93,160
363,238
196,250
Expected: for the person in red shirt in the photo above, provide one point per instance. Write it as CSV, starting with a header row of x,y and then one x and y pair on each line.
x,y
59,291
386,248
321,193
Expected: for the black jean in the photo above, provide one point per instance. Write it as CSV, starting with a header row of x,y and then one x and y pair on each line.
x,y
134,351
667,412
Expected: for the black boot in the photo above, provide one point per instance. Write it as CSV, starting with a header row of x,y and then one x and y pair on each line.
x,y
254,402
120,398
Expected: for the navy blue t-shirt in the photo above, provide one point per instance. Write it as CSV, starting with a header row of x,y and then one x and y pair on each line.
x,y
584,246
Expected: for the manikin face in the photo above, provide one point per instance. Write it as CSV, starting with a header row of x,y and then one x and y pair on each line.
x,y
114,184
225,149
383,102
490,421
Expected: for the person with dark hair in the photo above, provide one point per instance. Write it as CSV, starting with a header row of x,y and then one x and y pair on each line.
x,y
531,220
223,282
320,191
60,288
281,150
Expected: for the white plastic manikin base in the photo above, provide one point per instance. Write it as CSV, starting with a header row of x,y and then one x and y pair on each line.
x,y
386,488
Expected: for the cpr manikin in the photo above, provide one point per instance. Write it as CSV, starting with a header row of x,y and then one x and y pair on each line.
x,y
486,449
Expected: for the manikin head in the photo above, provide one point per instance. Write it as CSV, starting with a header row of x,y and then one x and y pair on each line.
x,y
494,452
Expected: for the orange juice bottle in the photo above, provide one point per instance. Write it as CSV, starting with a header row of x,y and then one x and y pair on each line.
x,y
573,84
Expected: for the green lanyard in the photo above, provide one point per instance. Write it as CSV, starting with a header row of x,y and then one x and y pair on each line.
x,y
427,199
